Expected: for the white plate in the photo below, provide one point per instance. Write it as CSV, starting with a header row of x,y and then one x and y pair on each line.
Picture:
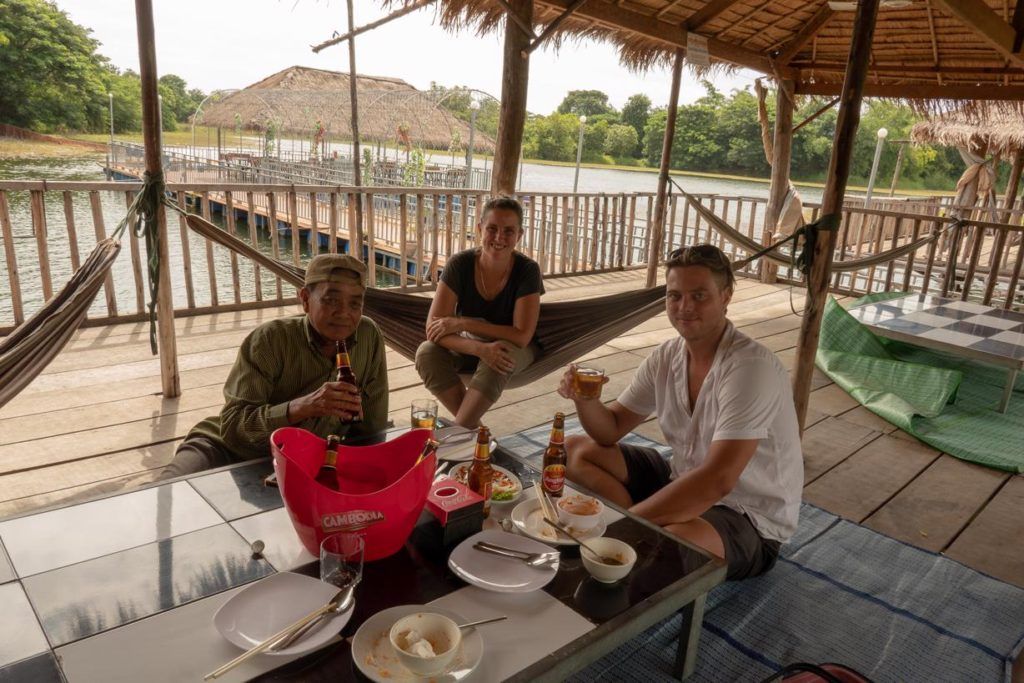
x,y
501,574
374,655
527,518
263,608
455,471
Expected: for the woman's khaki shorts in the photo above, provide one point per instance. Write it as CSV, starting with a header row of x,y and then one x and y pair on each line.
x,y
440,368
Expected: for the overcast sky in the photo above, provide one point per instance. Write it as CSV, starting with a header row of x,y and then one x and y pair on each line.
x,y
219,44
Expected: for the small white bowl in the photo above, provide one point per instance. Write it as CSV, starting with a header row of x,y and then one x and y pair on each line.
x,y
609,547
576,521
441,632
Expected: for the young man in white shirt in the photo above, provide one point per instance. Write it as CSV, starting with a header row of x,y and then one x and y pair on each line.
x,y
725,406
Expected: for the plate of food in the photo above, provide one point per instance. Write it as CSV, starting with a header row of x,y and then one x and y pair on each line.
x,y
528,518
505,488
375,656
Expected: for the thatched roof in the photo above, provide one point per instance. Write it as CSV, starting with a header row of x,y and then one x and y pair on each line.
x,y
295,99
922,49
998,130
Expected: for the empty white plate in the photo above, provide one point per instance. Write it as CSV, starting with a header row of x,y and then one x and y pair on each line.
x,y
375,656
528,518
263,608
501,574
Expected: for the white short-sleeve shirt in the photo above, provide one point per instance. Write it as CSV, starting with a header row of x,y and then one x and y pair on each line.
x,y
746,395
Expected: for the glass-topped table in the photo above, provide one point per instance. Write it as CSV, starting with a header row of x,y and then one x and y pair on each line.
x,y
124,588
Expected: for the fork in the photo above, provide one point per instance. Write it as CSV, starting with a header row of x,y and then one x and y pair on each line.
x,y
532,559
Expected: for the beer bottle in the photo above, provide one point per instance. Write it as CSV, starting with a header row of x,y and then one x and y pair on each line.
x,y
328,474
428,448
481,475
345,372
555,459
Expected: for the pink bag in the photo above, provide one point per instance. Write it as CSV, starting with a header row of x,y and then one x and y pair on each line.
x,y
379,486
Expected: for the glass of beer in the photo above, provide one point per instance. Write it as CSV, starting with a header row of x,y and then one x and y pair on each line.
x,y
424,414
587,381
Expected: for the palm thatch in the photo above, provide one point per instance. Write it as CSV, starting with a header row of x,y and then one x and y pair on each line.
x,y
923,50
999,129
298,99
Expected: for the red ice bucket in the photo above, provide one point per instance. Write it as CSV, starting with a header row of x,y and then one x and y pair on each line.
x,y
380,485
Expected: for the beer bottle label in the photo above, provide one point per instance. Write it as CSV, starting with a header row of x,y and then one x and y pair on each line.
x,y
553,478
330,458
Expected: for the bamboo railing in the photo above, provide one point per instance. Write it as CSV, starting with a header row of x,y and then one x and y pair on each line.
x,y
408,234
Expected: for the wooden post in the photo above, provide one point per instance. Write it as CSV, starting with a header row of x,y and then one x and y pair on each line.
x,y
832,201
515,76
899,167
1012,185
782,148
169,379
354,101
658,229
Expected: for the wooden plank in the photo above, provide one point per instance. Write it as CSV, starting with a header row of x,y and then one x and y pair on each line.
x,y
806,32
403,236
542,239
830,442
563,262
293,219
275,247
314,225
420,224
101,234
229,221
76,494
449,225
39,230
69,222
186,251
211,268
832,400
333,246
137,277
435,228
866,480
864,417
938,504
990,543
979,18
254,238
12,259
371,239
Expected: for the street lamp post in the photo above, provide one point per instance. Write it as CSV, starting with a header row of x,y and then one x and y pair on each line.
x,y
882,134
474,107
110,95
579,155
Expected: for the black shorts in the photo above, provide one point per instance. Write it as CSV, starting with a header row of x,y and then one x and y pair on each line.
x,y
746,552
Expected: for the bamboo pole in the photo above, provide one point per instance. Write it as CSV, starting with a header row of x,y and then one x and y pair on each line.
x,y
169,378
354,101
658,229
514,81
782,148
832,201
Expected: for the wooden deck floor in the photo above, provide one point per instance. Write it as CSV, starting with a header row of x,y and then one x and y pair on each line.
x,y
95,422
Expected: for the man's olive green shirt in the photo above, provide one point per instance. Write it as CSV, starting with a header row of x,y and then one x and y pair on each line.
x,y
280,361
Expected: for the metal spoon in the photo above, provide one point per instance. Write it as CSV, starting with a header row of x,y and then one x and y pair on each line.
x,y
601,558
532,559
483,621
342,605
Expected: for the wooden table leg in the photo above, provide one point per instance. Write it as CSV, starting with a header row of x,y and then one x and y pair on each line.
x,y
689,635
1011,380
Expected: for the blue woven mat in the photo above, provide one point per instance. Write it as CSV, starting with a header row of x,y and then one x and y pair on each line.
x,y
839,593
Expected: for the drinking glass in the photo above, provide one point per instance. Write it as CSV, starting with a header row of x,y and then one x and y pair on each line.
x,y
424,414
341,559
587,381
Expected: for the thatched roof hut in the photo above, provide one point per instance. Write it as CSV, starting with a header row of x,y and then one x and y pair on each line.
x,y
294,100
922,49
997,129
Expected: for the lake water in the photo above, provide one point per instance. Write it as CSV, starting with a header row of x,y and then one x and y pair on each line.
x,y
534,177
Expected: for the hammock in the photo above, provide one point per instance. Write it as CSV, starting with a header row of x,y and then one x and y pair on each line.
x,y
566,330
37,341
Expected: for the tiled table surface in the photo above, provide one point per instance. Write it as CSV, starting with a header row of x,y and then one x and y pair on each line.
x,y
125,587
965,328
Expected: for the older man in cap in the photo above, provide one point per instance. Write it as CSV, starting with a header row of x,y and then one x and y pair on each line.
x,y
285,370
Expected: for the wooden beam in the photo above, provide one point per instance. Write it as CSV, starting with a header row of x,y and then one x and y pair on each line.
x,y
832,202
553,26
670,34
979,18
796,43
921,91
658,229
372,25
706,13
515,77
816,114
916,68
782,147
170,380
357,170
1018,25
524,26
931,32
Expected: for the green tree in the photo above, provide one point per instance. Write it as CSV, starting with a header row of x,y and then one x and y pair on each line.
x,y
53,78
594,137
551,137
585,103
635,113
621,140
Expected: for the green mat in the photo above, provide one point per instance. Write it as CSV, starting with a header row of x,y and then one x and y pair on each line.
x,y
946,401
